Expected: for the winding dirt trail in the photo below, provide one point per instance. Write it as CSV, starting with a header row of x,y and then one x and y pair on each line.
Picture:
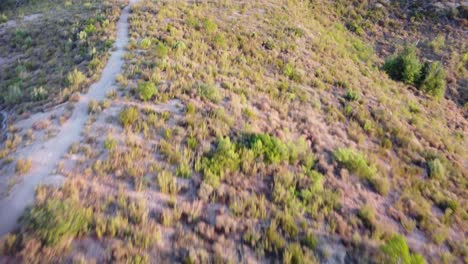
x,y
46,155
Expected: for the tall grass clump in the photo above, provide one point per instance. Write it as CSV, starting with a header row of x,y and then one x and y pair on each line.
x,y
396,251
432,79
128,116
356,163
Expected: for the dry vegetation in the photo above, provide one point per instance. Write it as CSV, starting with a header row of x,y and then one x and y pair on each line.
x,y
57,50
256,131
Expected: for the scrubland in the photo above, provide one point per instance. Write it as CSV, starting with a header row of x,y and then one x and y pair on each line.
x,y
258,131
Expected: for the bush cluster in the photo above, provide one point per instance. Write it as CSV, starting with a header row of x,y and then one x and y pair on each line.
x,y
406,66
228,156
55,220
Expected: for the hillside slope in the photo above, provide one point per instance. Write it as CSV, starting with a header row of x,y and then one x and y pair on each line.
x,y
255,131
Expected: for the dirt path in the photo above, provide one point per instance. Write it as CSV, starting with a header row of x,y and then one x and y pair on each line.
x,y
46,155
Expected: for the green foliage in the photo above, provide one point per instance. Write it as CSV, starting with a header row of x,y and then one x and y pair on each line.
x,y
39,93
293,254
437,44
13,95
110,143
433,79
367,215
161,50
209,92
89,29
167,183
404,66
145,43
396,251
270,148
57,219
76,78
128,116
355,162
147,90
290,71
219,41
351,95
223,159
228,156
436,169
3,18
210,26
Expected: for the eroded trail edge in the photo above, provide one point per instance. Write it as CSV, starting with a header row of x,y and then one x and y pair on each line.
x,y
46,155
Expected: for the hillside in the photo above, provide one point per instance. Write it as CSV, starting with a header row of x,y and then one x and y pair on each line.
x,y
235,132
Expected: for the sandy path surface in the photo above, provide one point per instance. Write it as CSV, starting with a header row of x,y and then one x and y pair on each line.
x,y
46,155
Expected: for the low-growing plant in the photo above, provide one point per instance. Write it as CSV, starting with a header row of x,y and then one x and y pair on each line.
x,y
128,116
436,169
222,160
145,43
396,251
76,78
147,90
56,220
23,166
210,26
167,183
209,92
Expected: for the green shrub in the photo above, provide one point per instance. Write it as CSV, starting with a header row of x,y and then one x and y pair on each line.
x,y
355,162
219,41
437,44
270,148
110,143
351,95
396,251
39,93
436,169
13,95
433,79
405,66
128,116
367,216
161,50
145,43
3,18
209,92
290,71
210,26
75,78
58,219
223,159
146,90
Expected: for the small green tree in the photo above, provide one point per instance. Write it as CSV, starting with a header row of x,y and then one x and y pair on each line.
x,y
432,79
404,66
